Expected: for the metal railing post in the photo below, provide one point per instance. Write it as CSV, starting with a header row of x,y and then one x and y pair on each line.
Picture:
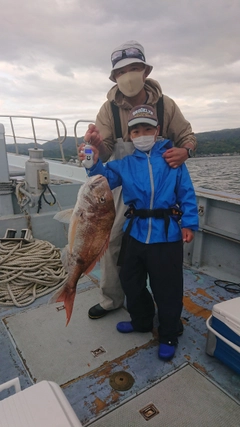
x,y
6,206
75,129
33,126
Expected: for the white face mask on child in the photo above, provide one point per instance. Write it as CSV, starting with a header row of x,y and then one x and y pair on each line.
x,y
144,142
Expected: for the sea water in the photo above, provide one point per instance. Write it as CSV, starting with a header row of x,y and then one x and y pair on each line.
x,y
221,173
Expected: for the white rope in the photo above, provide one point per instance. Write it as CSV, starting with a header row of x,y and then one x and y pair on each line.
x,y
29,270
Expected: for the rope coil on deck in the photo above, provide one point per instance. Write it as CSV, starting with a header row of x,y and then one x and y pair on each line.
x,y
29,270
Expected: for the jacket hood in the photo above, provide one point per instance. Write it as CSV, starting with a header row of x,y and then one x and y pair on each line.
x,y
151,86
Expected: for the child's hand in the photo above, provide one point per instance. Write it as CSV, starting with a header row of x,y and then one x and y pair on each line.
x,y
82,155
187,235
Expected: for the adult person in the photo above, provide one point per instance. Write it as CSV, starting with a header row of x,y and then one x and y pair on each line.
x,y
158,196
130,72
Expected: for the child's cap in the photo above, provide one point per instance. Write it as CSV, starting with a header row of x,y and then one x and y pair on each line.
x,y
142,114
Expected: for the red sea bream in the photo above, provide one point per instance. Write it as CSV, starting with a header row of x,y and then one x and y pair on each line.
x,y
90,225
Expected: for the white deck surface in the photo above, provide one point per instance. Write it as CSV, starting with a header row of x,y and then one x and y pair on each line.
x,y
52,351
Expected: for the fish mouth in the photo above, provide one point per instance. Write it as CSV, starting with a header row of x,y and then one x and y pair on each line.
x,y
97,179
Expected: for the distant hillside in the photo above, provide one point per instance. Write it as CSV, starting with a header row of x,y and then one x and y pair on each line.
x,y
51,148
218,142
226,141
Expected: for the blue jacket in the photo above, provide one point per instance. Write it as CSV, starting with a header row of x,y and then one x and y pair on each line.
x,y
148,182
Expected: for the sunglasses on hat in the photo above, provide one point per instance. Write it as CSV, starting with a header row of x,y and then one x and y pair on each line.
x,y
131,52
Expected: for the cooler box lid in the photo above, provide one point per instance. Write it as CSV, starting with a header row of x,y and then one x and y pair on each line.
x,y
228,312
41,405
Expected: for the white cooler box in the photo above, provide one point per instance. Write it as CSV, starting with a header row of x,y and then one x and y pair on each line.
x,y
223,339
41,405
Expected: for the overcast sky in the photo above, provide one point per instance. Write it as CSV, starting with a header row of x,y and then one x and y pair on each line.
x,y
55,56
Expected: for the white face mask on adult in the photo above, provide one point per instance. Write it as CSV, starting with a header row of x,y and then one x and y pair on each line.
x,y
131,83
144,142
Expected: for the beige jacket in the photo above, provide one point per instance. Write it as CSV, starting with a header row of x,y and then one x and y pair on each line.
x,y
175,126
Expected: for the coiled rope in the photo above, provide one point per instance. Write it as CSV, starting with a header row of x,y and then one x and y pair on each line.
x,y
29,270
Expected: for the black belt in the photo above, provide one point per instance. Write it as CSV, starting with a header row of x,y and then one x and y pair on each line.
x,y
131,213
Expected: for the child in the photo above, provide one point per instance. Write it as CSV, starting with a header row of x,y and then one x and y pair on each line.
x,y
158,196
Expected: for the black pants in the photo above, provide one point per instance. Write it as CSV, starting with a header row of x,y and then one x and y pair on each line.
x,y
163,263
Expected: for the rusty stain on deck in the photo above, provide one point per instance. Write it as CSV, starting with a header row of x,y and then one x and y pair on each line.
x,y
200,291
99,405
195,309
200,368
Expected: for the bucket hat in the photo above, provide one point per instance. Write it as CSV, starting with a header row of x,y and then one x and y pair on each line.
x,y
127,53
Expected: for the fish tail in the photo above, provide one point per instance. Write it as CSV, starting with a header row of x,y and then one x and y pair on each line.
x,y
66,295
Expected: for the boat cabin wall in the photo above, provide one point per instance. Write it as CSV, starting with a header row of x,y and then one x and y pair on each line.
x,y
216,246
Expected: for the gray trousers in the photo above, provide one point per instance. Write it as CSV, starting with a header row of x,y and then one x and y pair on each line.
x,y
111,293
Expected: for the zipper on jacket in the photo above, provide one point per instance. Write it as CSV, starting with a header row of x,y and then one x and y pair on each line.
x,y
152,196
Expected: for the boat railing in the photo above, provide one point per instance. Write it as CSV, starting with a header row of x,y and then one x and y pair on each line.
x,y
76,129
35,136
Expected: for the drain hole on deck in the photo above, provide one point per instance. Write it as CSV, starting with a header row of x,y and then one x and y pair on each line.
x,y
98,351
149,411
121,381
61,307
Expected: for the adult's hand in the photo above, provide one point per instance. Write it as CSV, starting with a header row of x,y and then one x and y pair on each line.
x,y
93,136
175,156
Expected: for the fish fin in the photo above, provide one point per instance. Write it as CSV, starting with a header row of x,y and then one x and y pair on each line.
x,y
103,250
64,216
64,258
66,295
72,232
55,296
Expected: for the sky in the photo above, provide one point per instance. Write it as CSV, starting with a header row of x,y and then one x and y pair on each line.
x,y
55,56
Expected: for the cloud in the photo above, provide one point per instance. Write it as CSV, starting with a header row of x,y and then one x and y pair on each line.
x,y
55,56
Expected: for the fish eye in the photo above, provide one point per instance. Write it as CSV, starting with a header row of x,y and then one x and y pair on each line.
x,y
102,199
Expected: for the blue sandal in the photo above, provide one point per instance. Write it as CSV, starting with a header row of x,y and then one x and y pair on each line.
x,y
166,351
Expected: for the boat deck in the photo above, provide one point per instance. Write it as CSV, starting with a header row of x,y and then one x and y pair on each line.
x,y
86,357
